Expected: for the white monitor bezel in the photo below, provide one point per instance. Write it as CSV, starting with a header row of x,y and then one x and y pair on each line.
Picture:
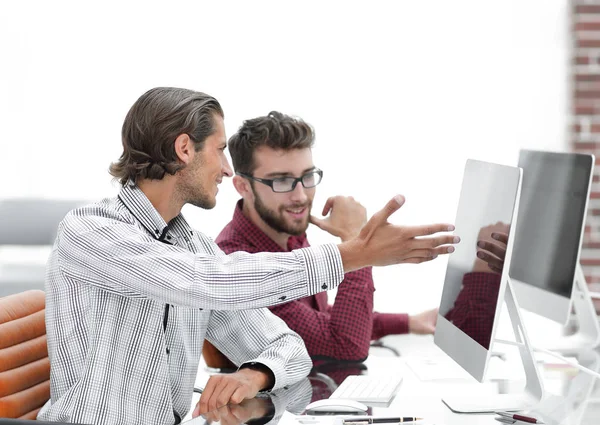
x,y
464,350
537,300
543,303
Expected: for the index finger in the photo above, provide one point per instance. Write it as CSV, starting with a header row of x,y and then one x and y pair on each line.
x,y
328,206
207,393
205,396
502,237
429,229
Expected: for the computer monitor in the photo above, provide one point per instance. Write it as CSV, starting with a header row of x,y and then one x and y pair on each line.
x,y
552,211
473,294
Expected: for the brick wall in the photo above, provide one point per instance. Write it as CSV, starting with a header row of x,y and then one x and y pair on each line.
x,y
585,119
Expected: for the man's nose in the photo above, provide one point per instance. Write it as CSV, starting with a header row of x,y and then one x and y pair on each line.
x,y
299,193
227,171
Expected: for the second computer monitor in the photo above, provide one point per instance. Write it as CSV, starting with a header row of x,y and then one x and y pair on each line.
x,y
473,292
550,227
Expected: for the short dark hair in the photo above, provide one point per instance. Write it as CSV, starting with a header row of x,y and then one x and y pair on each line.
x,y
276,131
152,125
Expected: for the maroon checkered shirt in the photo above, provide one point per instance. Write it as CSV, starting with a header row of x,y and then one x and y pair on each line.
x,y
342,331
474,309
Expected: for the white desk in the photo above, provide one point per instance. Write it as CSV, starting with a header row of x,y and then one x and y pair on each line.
x,y
424,398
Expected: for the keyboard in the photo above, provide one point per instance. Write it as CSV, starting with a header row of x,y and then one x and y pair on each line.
x,y
368,389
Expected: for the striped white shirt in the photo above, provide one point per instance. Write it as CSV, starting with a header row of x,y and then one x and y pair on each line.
x,y
130,299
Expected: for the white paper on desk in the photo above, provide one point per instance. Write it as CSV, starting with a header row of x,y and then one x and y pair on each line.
x,y
439,368
436,368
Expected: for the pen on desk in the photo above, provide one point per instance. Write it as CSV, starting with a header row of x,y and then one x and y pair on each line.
x,y
518,417
365,421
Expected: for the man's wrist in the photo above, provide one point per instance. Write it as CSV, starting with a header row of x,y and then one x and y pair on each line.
x,y
345,237
353,256
348,236
264,375
411,323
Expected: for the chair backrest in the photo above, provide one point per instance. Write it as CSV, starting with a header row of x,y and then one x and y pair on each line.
x,y
24,363
214,358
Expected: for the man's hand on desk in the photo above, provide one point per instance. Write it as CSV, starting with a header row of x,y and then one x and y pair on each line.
x,y
231,389
236,414
423,323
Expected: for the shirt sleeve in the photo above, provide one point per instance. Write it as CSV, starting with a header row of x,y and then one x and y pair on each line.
x,y
385,324
344,331
119,257
475,307
259,336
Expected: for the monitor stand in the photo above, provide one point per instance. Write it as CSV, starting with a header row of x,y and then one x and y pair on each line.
x,y
571,407
533,392
588,332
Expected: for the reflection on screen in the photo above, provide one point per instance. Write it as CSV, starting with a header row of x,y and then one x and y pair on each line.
x,y
551,214
254,411
474,271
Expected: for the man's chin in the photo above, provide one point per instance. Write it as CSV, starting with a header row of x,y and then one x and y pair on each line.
x,y
205,204
297,230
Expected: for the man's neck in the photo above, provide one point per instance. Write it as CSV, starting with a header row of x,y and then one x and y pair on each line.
x,y
162,195
279,238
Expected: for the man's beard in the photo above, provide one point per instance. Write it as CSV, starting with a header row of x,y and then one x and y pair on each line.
x,y
202,201
277,221
195,194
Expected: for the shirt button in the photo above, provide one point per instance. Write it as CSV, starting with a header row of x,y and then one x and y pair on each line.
x,y
168,351
324,286
186,238
282,298
156,231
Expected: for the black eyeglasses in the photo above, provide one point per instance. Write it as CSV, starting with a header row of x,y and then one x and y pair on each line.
x,y
288,184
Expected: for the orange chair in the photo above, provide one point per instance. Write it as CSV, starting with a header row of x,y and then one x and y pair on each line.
x,y
24,363
215,359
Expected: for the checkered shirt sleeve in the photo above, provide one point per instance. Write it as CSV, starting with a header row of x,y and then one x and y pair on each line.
x,y
475,307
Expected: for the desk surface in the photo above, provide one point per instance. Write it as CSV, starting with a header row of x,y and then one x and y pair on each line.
x,y
573,397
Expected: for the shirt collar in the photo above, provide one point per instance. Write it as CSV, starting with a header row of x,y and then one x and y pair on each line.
x,y
256,237
141,208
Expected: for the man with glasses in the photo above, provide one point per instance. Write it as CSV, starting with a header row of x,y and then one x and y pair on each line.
x,y
277,179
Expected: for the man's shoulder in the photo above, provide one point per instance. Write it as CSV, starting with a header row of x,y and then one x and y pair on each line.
x,y
231,240
236,244
229,233
98,214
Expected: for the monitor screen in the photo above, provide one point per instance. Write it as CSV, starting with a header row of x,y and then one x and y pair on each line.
x,y
474,287
551,217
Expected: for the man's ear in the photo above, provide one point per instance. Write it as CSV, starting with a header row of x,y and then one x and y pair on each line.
x,y
242,186
185,148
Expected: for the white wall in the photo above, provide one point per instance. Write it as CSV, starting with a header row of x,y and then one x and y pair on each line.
x,y
400,94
